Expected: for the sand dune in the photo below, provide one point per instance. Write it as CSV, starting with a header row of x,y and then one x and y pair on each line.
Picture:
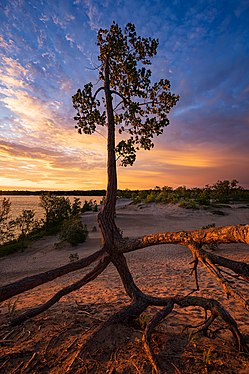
x,y
161,270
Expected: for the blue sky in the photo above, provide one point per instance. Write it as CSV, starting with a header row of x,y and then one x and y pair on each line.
x,y
48,50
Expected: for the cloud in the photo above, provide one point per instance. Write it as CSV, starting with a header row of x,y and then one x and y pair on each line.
x,y
92,14
58,22
202,50
184,166
11,67
8,46
38,122
70,39
37,164
44,18
41,38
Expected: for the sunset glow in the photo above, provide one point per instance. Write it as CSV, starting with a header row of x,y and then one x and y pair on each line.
x,y
48,51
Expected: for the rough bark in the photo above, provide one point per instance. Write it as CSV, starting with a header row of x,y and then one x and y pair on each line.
x,y
224,234
106,218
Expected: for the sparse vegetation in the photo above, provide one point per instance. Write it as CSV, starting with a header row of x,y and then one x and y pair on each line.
x,y
6,227
73,257
89,206
221,192
73,231
60,215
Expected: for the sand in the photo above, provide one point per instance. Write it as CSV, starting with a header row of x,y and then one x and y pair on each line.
x,y
160,271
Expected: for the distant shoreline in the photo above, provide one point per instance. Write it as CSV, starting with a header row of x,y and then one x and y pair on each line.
x,y
58,193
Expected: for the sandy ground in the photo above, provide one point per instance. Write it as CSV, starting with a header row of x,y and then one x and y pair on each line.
x,y
160,271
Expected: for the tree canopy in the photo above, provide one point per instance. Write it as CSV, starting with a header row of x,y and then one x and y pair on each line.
x,y
143,107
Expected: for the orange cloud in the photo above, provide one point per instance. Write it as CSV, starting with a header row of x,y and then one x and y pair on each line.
x,y
44,151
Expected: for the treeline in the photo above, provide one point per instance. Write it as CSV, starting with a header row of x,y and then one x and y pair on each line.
x,y
220,192
57,193
60,216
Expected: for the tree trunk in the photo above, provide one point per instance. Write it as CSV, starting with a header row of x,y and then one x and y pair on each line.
x,y
106,218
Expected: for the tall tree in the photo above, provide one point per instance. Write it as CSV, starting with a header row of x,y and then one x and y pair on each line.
x,y
140,113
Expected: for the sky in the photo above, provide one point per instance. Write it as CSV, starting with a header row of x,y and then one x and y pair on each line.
x,y
48,50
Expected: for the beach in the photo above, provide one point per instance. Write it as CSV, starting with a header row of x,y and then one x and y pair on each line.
x,y
159,271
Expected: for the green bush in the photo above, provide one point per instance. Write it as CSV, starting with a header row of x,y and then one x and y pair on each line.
x,y
6,226
89,206
136,199
57,208
73,257
188,204
10,247
151,198
73,231
26,225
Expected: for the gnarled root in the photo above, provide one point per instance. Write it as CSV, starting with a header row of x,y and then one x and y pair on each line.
x,y
217,310
64,291
148,331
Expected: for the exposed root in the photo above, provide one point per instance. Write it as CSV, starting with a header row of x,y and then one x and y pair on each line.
x,y
208,261
72,360
194,270
148,331
217,310
29,363
64,291
28,283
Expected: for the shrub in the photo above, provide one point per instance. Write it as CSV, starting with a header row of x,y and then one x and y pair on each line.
x,y
188,204
76,207
203,197
73,231
136,199
89,206
151,198
57,208
73,257
26,225
6,226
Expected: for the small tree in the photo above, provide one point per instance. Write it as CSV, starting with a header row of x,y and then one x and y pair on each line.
x,y
76,207
57,209
6,226
26,223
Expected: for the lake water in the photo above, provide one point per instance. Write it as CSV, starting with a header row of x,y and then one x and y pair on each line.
x,y
19,203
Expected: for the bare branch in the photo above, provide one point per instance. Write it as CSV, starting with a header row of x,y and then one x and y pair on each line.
x,y
124,99
194,270
224,234
116,107
98,90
